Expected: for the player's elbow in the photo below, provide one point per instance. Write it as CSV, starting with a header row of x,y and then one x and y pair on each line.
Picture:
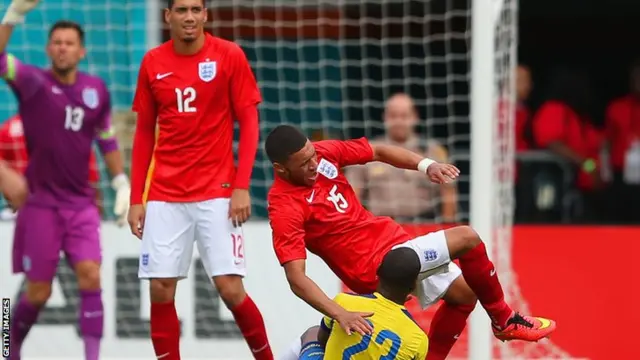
x,y
380,151
146,122
297,283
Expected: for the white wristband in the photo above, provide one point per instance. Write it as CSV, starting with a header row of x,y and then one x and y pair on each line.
x,y
119,181
424,164
12,17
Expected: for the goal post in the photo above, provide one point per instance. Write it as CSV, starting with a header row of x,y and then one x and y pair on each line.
x,y
482,186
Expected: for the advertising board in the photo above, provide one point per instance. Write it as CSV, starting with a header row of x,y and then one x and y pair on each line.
x,y
587,278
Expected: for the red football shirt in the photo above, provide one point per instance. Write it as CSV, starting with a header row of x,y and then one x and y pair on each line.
x,y
622,128
194,100
329,220
555,121
14,151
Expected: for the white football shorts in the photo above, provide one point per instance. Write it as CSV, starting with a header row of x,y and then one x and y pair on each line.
x,y
170,230
437,272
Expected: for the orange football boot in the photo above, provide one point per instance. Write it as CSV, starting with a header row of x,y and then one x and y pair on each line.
x,y
527,328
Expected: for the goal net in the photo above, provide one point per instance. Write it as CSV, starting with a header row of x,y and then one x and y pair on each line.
x,y
328,67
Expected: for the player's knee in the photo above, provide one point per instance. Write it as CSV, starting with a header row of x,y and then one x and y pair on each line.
x,y
310,335
88,273
37,293
162,290
231,289
464,238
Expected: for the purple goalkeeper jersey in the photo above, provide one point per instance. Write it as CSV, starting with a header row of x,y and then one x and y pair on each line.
x,y
60,124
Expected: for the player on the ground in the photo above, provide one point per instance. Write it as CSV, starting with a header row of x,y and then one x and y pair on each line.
x,y
192,87
63,111
312,205
395,334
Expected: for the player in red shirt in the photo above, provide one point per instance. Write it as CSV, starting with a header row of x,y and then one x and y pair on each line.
x,y
191,88
313,206
14,152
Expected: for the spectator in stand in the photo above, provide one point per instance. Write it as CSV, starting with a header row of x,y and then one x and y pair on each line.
x,y
403,195
564,125
623,136
523,90
14,152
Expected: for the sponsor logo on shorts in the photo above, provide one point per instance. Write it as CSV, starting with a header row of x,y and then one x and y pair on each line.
x,y
144,259
430,255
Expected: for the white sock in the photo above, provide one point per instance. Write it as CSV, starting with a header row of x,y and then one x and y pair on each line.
x,y
293,352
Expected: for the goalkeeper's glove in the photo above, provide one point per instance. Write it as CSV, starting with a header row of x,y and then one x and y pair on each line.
x,y
17,10
121,185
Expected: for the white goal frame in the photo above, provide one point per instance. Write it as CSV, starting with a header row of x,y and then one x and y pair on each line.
x,y
484,14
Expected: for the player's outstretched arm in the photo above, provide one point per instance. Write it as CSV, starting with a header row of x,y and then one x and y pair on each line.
x,y
405,159
13,16
307,290
17,75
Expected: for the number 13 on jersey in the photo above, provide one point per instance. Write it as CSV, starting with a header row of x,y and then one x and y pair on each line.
x,y
184,98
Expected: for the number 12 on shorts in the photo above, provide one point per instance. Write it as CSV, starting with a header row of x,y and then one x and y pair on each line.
x,y
238,248
382,336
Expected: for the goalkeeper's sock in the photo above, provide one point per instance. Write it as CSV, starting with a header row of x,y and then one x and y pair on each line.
x,y
481,276
165,330
448,323
91,322
25,315
251,324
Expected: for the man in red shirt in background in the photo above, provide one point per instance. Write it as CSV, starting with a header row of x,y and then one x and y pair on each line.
x,y
14,152
622,128
192,87
564,126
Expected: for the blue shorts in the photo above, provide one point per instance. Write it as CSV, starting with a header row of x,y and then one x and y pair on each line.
x,y
312,351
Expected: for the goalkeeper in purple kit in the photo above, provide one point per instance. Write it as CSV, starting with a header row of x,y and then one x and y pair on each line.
x,y
63,111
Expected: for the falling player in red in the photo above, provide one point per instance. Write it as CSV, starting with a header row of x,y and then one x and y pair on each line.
x,y
312,206
191,88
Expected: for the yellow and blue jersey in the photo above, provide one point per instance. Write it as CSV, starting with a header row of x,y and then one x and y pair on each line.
x,y
396,336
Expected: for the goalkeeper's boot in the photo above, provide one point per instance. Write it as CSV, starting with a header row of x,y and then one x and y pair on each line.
x,y
527,328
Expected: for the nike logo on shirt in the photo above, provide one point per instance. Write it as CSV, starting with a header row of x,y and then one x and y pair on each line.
x,y
162,76
310,198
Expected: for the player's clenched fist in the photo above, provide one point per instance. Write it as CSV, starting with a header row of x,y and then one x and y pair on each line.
x,y
442,173
136,219
239,207
17,10
355,321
